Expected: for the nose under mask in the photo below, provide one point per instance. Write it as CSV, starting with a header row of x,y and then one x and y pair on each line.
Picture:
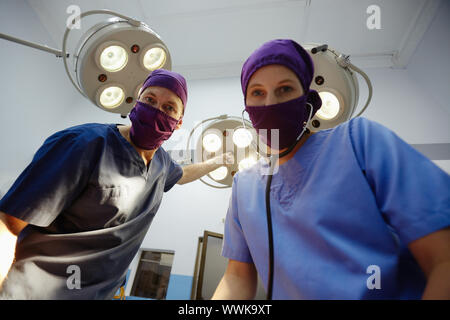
x,y
278,125
150,126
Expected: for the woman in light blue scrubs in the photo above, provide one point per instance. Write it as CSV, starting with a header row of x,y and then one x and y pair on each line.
x,y
356,212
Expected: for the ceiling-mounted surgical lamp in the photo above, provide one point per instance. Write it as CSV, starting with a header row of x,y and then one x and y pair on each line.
x,y
224,134
335,81
111,60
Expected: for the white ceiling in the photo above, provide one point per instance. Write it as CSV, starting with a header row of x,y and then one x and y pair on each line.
x,y
212,38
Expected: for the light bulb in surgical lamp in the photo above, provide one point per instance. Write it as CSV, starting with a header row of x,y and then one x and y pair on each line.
x,y
113,58
111,97
212,142
246,163
242,138
330,106
219,174
154,58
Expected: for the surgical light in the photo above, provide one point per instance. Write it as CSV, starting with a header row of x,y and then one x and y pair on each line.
x,y
330,106
113,58
154,58
224,134
212,142
111,97
335,81
107,63
122,59
246,163
219,174
242,137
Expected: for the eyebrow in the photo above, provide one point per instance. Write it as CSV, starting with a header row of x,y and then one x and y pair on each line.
x,y
282,81
286,80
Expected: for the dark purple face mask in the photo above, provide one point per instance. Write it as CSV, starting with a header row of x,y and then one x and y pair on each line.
x,y
279,125
150,126
283,122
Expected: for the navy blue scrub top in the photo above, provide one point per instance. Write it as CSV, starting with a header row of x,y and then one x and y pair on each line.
x,y
89,200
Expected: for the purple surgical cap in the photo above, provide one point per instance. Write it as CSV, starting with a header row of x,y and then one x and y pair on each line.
x,y
173,81
287,53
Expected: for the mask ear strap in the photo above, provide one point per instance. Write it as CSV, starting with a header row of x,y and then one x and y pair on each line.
x,y
242,117
139,93
253,144
311,109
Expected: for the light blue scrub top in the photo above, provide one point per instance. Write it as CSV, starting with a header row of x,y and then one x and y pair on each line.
x,y
351,197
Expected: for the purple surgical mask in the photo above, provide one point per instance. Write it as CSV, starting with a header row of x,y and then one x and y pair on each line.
x,y
285,119
150,126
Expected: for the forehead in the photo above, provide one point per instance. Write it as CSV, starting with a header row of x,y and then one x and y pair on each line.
x,y
163,93
272,73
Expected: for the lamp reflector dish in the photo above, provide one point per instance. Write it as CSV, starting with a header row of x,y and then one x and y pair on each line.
x,y
242,138
330,106
246,163
111,97
113,58
154,58
219,174
212,142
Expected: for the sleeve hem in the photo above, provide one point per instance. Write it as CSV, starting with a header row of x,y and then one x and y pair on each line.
x,y
40,221
243,257
174,181
422,228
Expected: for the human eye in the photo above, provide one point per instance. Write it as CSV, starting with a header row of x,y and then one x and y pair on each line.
x,y
257,93
170,108
150,100
285,89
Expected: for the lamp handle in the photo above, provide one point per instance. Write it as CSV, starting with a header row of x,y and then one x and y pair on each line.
x,y
369,85
344,62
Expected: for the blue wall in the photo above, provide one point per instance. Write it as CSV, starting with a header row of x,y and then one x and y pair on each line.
x,y
179,287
